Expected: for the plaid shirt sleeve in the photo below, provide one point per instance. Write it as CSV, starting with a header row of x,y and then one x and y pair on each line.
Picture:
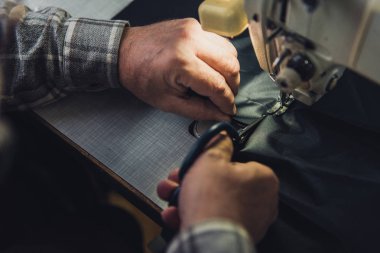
x,y
50,54
213,236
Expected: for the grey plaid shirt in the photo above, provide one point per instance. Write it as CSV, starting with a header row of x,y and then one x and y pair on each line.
x,y
212,236
48,54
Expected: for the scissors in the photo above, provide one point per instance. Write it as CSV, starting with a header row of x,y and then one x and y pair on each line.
x,y
239,138
237,131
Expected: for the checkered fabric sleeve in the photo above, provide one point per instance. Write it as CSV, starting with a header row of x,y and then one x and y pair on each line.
x,y
48,54
212,236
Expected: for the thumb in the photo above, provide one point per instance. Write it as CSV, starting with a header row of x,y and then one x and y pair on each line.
x,y
219,148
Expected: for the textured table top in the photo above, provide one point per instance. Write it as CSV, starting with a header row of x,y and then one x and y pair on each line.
x,y
136,142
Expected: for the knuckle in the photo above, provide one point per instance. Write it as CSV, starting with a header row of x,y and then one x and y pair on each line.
x,y
192,22
189,28
264,176
220,88
186,33
224,93
230,47
270,179
233,66
178,60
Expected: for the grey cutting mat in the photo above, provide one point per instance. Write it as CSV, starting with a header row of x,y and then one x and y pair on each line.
x,y
134,140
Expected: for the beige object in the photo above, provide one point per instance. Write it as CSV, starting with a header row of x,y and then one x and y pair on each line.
x,y
224,17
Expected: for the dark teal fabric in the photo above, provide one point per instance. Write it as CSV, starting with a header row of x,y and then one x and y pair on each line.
x,y
327,158
257,92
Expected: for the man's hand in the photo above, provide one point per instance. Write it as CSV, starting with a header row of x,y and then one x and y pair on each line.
x,y
165,63
244,193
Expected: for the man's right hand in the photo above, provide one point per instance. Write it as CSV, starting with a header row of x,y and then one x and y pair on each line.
x,y
244,193
164,63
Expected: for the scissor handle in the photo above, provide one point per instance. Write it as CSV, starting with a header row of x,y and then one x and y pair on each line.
x,y
201,143
174,196
198,148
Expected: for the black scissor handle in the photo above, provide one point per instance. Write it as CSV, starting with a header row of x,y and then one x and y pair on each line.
x,y
197,149
201,143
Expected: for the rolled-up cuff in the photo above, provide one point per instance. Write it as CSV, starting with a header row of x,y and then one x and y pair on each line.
x,y
90,53
217,235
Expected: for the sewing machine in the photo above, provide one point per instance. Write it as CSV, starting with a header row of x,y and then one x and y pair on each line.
x,y
304,45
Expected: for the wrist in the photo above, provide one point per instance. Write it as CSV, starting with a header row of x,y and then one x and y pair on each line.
x,y
124,67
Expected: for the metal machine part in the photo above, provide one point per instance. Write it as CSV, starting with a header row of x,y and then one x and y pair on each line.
x,y
305,45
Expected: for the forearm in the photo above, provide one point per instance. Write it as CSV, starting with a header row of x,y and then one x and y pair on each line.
x,y
212,237
49,54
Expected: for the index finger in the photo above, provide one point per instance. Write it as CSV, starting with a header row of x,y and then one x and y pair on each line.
x,y
207,82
